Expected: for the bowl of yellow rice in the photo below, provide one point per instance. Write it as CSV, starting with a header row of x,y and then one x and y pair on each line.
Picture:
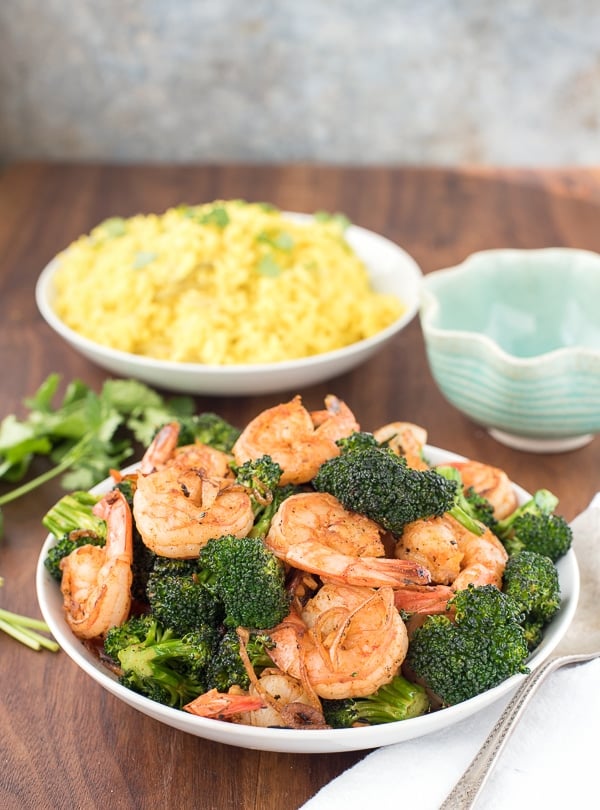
x,y
229,297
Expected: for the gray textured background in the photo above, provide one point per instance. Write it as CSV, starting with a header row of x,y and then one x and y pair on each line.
x,y
377,81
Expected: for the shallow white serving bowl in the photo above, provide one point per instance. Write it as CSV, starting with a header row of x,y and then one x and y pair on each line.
x,y
391,270
513,341
301,741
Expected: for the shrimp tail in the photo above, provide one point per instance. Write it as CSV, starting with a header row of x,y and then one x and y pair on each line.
x,y
221,705
427,599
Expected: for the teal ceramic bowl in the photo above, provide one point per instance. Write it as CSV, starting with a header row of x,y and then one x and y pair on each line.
x,y
513,341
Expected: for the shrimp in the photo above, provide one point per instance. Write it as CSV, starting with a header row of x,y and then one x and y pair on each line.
x,y
405,439
96,580
491,483
163,451
455,558
297,440
177,510
223,705
312,531
346,642
273,700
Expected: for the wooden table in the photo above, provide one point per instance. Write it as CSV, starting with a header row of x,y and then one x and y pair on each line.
x,y
65,742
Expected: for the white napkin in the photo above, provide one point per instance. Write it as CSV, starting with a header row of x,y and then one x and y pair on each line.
x,y
551,759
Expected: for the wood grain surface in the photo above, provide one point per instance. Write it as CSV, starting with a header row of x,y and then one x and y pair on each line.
x,y
64,741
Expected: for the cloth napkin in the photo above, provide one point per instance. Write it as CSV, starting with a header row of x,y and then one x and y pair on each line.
x,y
551,759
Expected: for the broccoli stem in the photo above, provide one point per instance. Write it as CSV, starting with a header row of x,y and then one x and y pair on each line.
x,y
74,512
543,502
146,661
398,700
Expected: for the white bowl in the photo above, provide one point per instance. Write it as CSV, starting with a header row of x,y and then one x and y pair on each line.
x,y
310,741
391,270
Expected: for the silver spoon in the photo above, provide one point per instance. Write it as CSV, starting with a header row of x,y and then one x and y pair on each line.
x,y
469,786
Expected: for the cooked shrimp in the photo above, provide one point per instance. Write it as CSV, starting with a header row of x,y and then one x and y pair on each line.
x,y
313,532
405,439
297,440
96,581
286,702
273,700
347,642
455,557
178,509
163,451
490,482
223,705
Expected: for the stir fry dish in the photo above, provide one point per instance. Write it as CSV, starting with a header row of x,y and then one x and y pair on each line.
x,y
304,573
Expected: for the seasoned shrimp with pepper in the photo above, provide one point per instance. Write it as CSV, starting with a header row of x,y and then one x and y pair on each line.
x,y
455,557
186,495
164,452
96,580
298,440
275,700
346,642
178,510
312,531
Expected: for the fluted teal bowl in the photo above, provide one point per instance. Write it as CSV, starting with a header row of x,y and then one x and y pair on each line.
x,y
513,341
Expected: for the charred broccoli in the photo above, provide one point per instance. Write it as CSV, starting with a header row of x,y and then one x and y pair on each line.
x,y
226,667
531,579
398,700
157,663
248,579
261,477
533,526
143,557
375,482
208,428
179,596
478,644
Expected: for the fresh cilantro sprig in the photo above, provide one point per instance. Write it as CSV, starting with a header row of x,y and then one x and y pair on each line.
x,y
83,437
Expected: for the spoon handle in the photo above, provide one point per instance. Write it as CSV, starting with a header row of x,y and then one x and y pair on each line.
x,y
467,789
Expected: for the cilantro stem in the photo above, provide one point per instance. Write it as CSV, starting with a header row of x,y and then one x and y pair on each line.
x,y
60,468
23,629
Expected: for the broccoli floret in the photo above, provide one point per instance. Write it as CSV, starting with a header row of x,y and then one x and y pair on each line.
x,y
226,668
73,512
480,508
248,579
359,440
64,546
375,482
531,579
179,596
264,516
458,658
133,631
143,557
261,477
534,633
208,428
534,526
398,700
72,521
161,665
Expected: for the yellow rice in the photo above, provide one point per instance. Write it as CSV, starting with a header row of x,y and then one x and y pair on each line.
x,y
228,282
